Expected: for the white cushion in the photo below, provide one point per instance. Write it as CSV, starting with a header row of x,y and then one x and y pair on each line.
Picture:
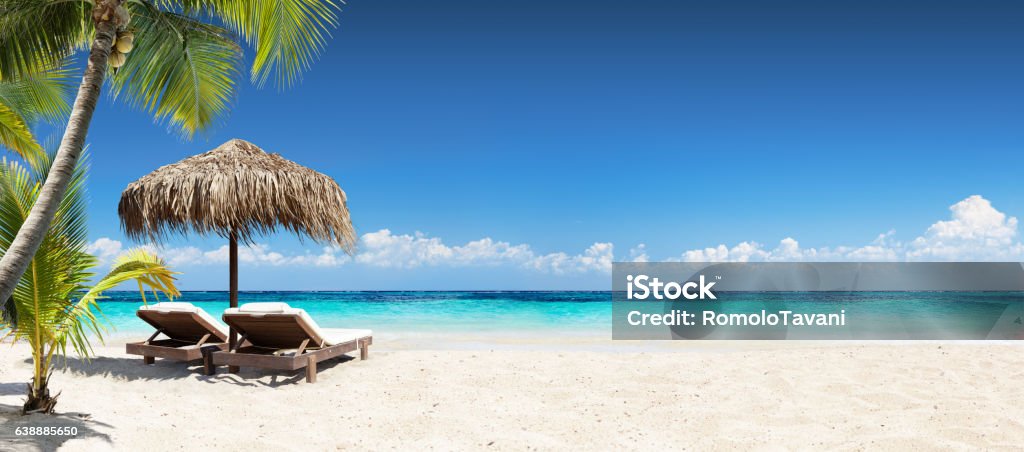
x,y
331,336
335,336
170,306
276,307
270,308
185,307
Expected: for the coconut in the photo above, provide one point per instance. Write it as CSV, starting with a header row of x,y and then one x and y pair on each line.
x,y
125,35
116,59
124,45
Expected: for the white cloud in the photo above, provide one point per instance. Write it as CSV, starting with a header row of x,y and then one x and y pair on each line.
x,y
743,252
598,257
975,231
384,249
105,249
388,250
639,253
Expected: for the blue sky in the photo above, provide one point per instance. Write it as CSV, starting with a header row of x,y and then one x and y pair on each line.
x,y
678,125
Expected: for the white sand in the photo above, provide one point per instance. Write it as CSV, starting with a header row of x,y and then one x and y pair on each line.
x,y
704,395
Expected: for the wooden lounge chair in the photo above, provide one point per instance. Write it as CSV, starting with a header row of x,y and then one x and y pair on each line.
x,y
187,328
284,338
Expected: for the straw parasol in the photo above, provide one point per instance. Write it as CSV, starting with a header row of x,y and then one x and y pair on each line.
x,y
236,191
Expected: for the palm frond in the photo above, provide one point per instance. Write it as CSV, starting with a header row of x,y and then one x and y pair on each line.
x,y
60,266
15,133
18,191
39,34
40,96
288,35
142,265
182,71
81,320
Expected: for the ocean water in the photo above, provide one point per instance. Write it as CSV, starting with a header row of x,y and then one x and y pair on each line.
x,y
406,313
589,314
866,315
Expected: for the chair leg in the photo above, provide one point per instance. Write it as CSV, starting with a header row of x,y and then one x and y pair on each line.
x,y
364,350
311,370
148,360
208,367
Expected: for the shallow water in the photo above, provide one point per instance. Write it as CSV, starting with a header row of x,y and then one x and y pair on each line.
x,y
567,314
408,313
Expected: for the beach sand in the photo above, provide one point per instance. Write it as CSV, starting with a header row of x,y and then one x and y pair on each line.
x,y
603,395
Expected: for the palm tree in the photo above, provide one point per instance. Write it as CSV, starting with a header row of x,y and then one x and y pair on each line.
x,y
182,68
53,308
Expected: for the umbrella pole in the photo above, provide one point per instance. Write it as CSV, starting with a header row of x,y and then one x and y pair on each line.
x,y
233,283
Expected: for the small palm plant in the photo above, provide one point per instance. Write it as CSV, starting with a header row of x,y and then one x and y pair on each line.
x,y
53,307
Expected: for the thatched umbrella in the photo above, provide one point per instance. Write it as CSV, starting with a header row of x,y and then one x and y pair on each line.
x,y
236,191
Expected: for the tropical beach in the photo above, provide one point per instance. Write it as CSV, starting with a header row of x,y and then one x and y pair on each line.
x,y
326,225
549,394
514,370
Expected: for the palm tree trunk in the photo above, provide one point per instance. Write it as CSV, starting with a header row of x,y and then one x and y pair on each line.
x,y
15,261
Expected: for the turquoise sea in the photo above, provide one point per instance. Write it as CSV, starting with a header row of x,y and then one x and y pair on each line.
x,y
589,314
407,313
